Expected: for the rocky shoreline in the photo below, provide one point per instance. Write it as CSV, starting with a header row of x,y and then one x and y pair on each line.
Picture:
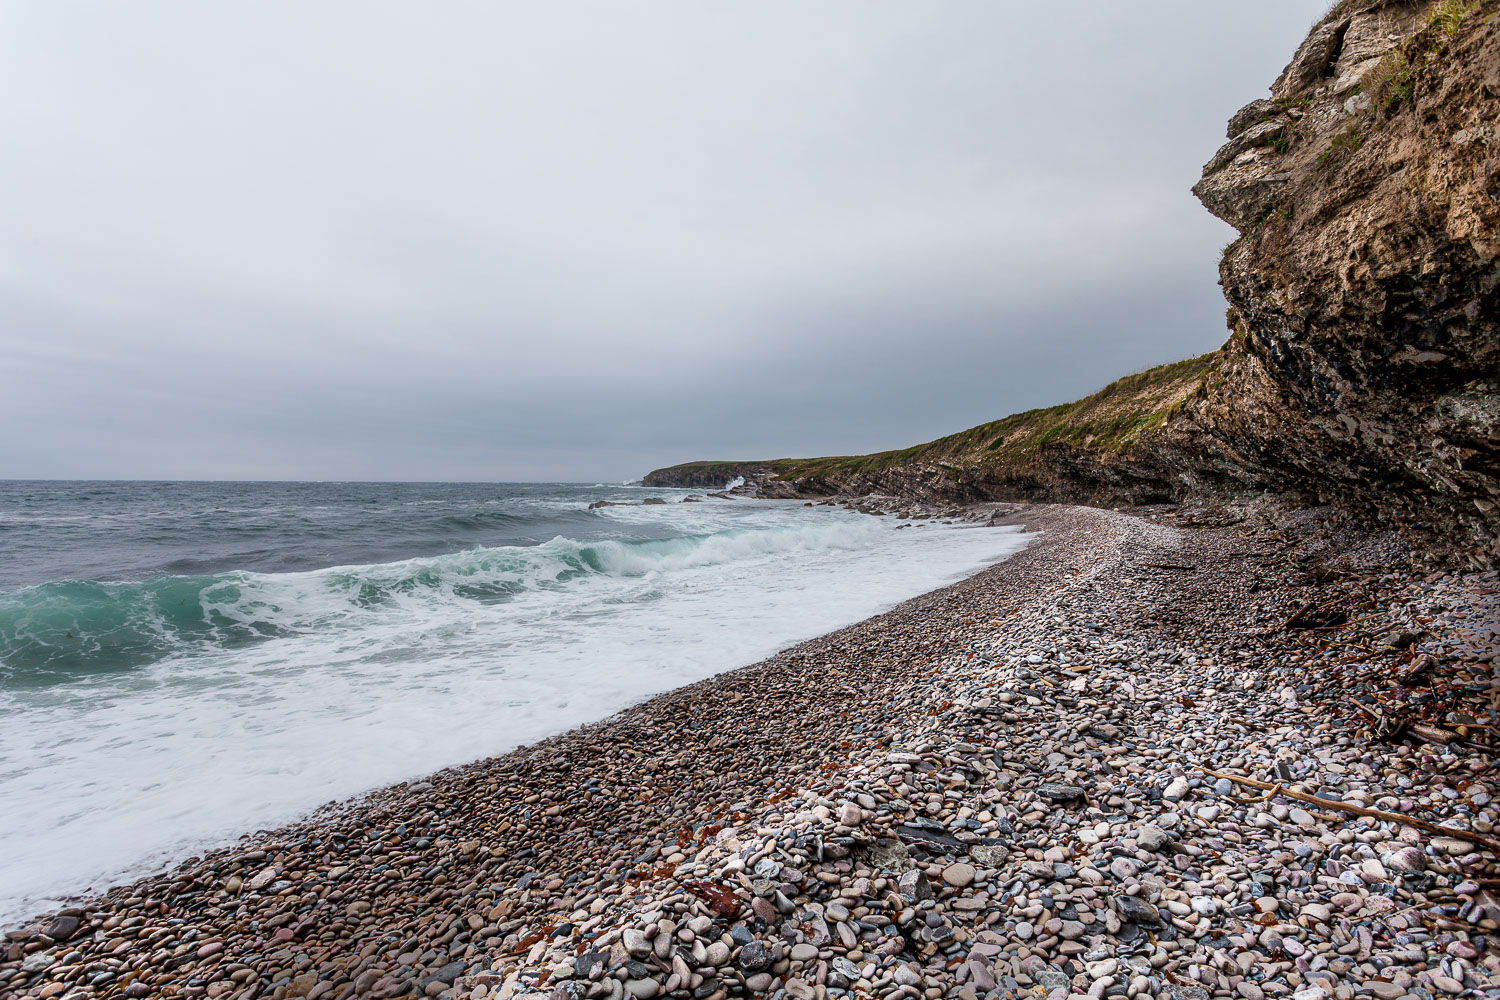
x,y
994,790
1364,320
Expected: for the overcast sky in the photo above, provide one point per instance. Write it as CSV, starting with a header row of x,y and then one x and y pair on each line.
x,y
506,241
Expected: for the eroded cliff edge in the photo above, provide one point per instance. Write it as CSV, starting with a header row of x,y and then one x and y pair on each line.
x,y
1363,369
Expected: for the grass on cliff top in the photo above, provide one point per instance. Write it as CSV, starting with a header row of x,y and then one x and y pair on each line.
x,y
1108,422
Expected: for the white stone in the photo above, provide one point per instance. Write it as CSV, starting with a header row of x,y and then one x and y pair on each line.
x,y
1102,969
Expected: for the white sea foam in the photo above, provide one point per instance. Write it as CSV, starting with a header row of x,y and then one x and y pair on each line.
x,y
385,672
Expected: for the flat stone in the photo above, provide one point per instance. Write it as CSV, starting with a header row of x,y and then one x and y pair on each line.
x,y
914,887
845,968
1052,979
1316,911
754,957
959,875
1152,838
1406,859
1135,910
1102,969
302,985
62,928
1452,845
1175,991
1054,792
445,975
635,942
263,879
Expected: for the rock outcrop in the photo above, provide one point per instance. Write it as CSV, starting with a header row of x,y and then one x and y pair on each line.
x,y
1363,370
1365,366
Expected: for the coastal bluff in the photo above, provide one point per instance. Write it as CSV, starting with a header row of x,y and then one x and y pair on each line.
x,y
1144,758
1363,366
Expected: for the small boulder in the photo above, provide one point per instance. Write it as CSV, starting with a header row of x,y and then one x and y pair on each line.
x,y
1406,859
754,957
1152,838
62,928
635,942
959,875
1135,910
1054,792
914,887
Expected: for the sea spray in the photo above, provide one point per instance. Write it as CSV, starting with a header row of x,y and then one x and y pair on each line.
x,y
189,708
56,631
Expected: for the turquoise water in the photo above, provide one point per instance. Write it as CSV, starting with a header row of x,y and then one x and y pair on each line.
x,y
182,662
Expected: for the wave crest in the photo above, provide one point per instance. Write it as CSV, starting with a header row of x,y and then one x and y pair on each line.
x,y
60,631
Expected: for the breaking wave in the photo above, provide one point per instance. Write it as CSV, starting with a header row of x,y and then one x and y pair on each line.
x,y
56,631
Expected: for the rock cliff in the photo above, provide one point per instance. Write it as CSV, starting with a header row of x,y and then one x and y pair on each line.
x,y
1363,367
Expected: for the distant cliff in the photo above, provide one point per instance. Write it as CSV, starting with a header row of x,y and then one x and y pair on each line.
x,y
1363,366
1081,451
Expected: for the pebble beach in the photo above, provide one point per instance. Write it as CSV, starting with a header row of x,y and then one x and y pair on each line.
x,y
1151,755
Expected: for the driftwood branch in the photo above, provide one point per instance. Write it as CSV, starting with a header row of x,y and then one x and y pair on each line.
x,y
1389,817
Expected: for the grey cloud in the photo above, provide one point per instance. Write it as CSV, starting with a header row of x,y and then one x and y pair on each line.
x,y
575,241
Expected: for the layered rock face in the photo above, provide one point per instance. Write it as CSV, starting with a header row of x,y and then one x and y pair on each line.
x,y
1364,366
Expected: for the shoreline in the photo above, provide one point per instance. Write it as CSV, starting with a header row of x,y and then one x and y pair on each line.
x,y
119,784
491,876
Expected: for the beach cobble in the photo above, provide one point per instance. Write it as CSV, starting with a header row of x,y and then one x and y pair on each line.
x,y
1045,781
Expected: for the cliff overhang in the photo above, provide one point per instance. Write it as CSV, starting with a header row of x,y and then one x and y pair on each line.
x,y
1363,365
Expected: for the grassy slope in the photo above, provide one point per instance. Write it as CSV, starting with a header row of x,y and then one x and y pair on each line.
x,y
1104,424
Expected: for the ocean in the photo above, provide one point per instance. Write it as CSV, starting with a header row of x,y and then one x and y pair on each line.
x,y
181,663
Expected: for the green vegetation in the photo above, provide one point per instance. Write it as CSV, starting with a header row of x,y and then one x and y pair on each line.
x,y
1394,86
1449,15
1395,83
1280,143
1343,145
1282,213
1107,422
